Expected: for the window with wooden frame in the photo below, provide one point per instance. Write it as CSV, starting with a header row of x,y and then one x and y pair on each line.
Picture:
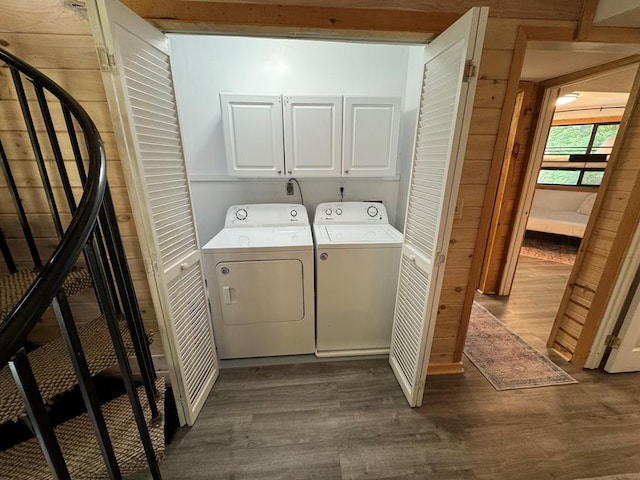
x,y
576,154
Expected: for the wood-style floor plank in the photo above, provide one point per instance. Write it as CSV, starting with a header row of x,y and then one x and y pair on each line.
x,y
531,308
350,420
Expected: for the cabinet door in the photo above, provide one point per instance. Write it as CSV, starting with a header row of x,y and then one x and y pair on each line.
x,y
253,134
313,136
371,127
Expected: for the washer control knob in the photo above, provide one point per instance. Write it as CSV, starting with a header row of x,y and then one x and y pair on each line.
x,y
224,271
338,211
328,211
294,213
372,211
241,214
324,256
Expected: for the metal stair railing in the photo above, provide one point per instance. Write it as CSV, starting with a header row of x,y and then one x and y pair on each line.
x,y
92,235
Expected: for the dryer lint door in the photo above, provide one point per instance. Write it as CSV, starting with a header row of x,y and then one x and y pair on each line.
x,y
262,291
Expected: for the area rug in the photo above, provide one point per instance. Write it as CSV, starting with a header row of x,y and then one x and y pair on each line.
x,y
555,248
506,360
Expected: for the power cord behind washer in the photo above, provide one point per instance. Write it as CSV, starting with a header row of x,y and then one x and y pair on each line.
x,y
299,188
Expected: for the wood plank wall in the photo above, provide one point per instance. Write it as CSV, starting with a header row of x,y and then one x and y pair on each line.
x,y
614,218
510,188
56,39
493,75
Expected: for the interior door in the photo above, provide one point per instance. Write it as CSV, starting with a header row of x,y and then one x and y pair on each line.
x,y
626,356
136,66
443,123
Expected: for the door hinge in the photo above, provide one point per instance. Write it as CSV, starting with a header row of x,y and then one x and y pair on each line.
x,y
612,341
107,59
469,71
440,258
150,266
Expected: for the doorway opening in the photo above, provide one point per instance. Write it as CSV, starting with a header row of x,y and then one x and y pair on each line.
x,y
562,135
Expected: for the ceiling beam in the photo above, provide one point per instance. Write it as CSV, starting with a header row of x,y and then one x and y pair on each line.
x,y
178,15
421,19
585,21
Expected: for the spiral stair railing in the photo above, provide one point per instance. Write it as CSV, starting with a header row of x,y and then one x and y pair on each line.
x,y
90,242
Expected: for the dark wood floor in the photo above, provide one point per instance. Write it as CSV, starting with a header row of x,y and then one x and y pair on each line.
x,y
349,420
531,308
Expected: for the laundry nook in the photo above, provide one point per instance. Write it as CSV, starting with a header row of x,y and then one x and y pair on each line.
x,y
299,180
323,176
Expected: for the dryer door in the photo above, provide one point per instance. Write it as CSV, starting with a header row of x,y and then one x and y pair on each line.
x,y
260,291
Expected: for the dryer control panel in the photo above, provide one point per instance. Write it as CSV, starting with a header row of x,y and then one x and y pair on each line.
x,y
351,213
266,215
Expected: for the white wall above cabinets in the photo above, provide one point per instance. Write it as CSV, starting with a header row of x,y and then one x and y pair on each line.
x,y
317,143
253,134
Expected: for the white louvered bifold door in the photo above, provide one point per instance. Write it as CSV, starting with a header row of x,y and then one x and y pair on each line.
x,y
443,123
137,73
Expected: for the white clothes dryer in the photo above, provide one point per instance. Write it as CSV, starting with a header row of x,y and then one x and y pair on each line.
x,y
357,266
259,272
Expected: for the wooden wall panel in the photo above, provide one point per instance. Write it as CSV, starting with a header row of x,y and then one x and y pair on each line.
x,y
55,37
510,185
358,18
614,219
484,139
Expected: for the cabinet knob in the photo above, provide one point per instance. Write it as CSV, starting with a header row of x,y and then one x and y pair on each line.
x,y
346,171
279,172
184,266
289,171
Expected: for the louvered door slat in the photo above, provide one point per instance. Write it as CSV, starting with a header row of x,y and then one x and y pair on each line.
x,y
440,139
143,84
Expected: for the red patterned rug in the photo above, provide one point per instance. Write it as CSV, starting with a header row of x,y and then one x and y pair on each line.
x,y
555,248
506,360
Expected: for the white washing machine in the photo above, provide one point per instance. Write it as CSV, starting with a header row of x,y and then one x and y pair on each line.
x,y
259,271
357,266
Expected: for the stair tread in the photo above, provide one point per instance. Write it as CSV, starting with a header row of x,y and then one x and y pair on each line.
x,y
53,369
80,448
14,286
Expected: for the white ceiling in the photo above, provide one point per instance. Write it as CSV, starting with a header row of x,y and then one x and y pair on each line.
x,y
617,13
545,60
600,96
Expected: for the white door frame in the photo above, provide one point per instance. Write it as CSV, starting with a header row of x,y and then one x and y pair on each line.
x,y
618,307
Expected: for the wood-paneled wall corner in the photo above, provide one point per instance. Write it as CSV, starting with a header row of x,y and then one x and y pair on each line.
x,y
55,37
511,63
615,218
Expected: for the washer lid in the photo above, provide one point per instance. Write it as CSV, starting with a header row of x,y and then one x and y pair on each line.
x,y
261,237
357,234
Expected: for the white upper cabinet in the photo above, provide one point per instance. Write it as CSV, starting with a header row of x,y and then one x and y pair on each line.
x,y
253,134
371,128
310,136
313,136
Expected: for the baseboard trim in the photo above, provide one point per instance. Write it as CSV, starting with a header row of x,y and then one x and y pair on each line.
x,y
445,368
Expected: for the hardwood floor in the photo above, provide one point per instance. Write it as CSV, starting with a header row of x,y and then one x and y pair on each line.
x,y
535,297
350,420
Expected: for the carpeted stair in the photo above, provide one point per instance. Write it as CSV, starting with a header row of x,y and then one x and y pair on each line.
x,y
14,286
55,375
53,369
80,449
